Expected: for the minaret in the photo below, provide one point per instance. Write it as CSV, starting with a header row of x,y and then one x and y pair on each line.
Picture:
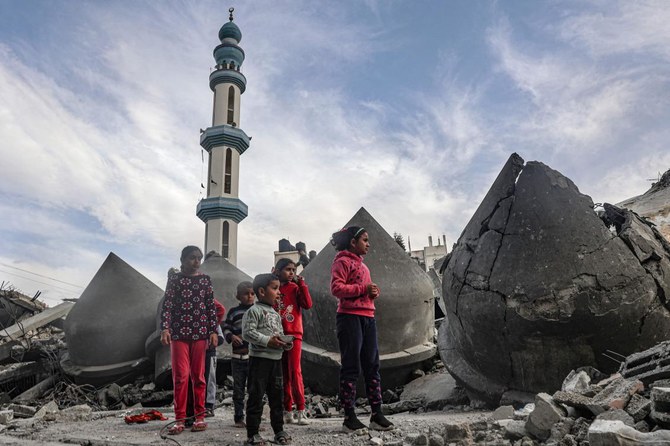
x,y
224,141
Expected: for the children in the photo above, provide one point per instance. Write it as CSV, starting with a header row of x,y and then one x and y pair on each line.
x,y
239,364
261,327
356,327
294,296
188,322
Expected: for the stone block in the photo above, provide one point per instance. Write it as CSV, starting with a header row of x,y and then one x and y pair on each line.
x,y
546,414
457,431
503,413
513,429
376,441
617,415
6,416
576,382
435,440
436,391
638,407
22,411
47,412
612,433
642,426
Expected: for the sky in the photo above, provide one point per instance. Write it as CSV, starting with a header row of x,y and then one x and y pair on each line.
x,y
407,108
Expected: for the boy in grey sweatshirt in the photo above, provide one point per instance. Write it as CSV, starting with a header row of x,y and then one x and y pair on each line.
x,y
262,328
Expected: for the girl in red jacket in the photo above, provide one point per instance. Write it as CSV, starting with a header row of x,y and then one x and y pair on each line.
x,y
294,298
356,327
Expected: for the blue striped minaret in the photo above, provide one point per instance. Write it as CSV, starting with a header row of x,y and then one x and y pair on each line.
x,y
224,141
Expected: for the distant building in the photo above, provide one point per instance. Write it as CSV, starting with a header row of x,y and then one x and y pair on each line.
x,y
427,256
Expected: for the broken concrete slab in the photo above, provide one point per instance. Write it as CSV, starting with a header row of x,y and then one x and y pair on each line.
x,y
613,433
654,204
436,391
576,381
528,303
638,407
617,414
41,319
547,412
404,312
660,405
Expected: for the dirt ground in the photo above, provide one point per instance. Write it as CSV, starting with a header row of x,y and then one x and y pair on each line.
x,y
113,431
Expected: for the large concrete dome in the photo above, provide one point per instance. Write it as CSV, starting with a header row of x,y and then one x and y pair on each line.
x,y
538,284
107,327
404,312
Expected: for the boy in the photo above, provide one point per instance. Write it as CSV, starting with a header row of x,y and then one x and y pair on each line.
x,y
294,298
261,328
239,363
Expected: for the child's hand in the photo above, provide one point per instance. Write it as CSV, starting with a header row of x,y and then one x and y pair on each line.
x,y
213,340
275,342
166,339
373,290
236,340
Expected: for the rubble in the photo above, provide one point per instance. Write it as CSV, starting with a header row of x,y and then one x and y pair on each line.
x,y
538,284
654,204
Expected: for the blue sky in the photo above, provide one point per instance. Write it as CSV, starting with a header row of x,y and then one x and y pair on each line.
x,y
407,108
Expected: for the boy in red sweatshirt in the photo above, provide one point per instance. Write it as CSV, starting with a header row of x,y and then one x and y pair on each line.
x,y
294,298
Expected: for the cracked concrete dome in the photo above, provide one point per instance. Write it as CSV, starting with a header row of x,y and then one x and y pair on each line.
x,y
107,327
404,312
538,284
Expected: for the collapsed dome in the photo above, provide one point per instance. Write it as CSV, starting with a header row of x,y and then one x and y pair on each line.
x,y
538,285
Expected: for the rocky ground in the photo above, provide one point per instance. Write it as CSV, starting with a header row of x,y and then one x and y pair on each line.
x,y
112,430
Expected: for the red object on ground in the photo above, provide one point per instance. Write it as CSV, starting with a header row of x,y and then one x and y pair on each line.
x,y
145,417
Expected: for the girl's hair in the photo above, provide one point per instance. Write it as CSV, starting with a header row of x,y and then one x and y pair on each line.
x,y
341,239
283,263
242,287
187,250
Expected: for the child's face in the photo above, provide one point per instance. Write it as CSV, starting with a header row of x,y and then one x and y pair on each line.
x,y
287,273
246,297
361,245
191,263
270,293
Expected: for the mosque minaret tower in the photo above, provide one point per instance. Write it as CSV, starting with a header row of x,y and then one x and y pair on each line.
x,y
225,142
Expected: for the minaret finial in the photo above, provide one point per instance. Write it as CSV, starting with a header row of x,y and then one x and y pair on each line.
x,y
230,10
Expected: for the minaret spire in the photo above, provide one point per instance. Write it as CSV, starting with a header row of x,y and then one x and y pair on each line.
x,y
225,142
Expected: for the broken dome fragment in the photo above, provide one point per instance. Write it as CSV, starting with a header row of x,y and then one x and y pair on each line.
x,y
107,327
538,285
404,312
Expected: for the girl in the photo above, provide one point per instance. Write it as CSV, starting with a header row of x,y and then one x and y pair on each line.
x,y
356,328
188,322
294,297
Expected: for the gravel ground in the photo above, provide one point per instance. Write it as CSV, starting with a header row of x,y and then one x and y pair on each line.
x,y
112,430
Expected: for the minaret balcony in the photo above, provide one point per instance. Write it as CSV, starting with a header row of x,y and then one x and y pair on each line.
x,y
226,75
224,135
222,207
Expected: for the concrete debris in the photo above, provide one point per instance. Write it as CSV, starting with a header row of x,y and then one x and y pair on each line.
x,y
612,433
547,413
435,391
654,205
537,280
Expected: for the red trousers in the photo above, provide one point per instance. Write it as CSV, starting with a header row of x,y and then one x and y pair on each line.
x,y
294,390
188,359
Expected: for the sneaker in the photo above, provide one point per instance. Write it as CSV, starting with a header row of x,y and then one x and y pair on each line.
x,y
379,422
302,419
256,440
352,424
289,417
